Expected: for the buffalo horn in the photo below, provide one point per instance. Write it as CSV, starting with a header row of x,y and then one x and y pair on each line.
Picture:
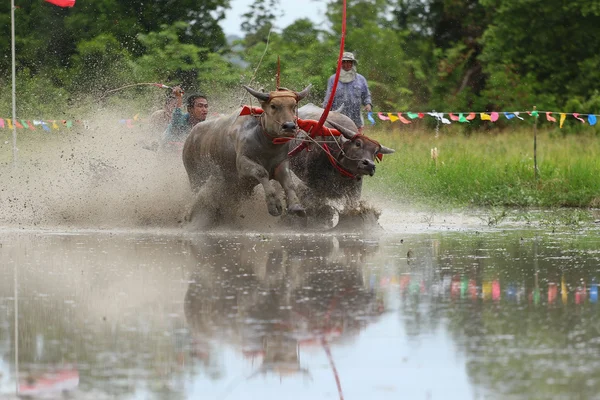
x,y
348,134
386,150
303,93
259,95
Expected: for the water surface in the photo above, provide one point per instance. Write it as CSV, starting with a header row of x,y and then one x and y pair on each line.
x,y
433,315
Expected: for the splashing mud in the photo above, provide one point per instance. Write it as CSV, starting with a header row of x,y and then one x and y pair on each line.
x,y
108,177
103,177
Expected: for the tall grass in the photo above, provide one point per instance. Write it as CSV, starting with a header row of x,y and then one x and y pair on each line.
x,y
485,169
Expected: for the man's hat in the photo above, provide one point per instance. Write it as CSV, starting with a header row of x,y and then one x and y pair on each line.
x,y
347,56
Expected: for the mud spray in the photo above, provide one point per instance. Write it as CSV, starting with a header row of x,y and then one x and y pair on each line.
x,y
99,177
105,177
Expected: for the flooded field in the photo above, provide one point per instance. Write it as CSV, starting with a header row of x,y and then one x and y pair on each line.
x,y
105,295
420,315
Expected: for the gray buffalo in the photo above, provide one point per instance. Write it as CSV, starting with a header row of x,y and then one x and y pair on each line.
x,y
339,176
225,158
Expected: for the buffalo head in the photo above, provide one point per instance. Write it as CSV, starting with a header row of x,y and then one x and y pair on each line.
x,y
358,153
279,116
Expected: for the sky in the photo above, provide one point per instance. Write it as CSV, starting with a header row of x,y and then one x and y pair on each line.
x,y
292,9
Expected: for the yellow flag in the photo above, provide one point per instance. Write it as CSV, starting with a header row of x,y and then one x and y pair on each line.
x,y
563,116
486,290
392,117
54,125
485,117
563,290
9,123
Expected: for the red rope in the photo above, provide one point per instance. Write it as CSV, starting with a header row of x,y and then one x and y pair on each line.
x,y
323,118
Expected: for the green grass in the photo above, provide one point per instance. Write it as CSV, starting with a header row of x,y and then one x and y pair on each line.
x,y
486,169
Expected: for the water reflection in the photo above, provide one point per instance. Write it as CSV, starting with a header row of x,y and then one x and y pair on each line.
x,y
271,299
453,315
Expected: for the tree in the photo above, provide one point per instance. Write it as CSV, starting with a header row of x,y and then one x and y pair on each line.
x,y
542,49
258,22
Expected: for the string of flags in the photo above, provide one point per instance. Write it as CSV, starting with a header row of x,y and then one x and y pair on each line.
x,y
57,124
405,118
466,117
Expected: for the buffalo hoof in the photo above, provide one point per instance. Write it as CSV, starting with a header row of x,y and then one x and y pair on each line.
x,y
275,209
297,210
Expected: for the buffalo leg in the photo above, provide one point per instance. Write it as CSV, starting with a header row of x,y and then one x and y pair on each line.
x,y
247,167
284,176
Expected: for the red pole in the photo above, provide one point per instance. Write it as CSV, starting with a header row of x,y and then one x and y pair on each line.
x,y
323,118
337,71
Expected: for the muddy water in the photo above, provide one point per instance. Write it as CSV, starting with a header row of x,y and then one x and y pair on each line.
x,y
436,315
104,295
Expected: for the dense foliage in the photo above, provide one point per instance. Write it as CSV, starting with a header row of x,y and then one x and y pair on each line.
x,y
416,54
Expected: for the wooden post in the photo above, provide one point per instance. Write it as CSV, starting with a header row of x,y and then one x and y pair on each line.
x,y
535,167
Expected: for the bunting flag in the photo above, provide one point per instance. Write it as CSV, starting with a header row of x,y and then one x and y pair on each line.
x,y
62,3
392,117
403,120
370,118
440,117
404,117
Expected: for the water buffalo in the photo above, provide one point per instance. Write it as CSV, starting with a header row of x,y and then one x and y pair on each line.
x,y
225,158
339,177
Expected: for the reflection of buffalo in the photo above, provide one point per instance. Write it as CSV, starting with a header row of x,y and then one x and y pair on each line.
x,y
270,298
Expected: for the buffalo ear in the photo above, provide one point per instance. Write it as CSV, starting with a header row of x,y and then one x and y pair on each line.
x,y
304,93
385,150
263,97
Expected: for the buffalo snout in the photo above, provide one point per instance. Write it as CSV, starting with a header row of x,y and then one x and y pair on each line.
x,y
368,166
289,126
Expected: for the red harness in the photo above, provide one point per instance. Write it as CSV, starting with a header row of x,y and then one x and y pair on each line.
x,y
312,128
307,125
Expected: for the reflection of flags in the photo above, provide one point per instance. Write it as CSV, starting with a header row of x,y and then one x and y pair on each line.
x,y
62,3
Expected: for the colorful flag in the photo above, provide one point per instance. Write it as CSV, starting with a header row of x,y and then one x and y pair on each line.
x,y
370,118
402,119
62,3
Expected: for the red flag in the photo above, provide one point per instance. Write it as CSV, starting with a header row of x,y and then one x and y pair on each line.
x,y
62,3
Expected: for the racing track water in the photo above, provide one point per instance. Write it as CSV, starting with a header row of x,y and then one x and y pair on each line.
x,y
104,296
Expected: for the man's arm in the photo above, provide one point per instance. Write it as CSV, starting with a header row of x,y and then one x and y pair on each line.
x,y
366,95
329,88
